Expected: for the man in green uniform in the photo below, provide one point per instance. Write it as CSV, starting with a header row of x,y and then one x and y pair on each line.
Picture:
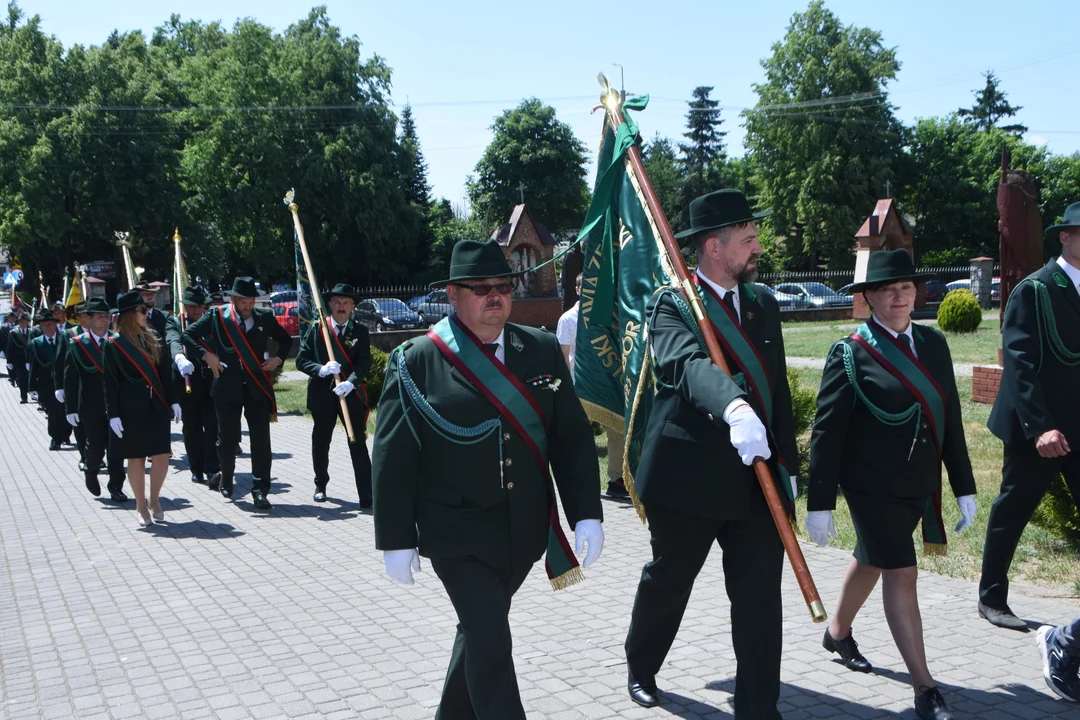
x,y
18,363
694,478
350,363
239,357
42,356
5,329
66,335
1037,411
471,417
84,400
192,381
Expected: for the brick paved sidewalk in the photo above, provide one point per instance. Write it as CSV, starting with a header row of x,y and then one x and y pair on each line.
x,y
227,613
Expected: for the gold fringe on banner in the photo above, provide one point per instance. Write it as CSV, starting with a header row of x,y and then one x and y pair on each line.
x,y
644,379
937,549
572,576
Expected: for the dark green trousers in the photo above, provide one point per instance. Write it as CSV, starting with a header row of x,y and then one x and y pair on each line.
x,y
200,433
256,410
753,564
481,683
1025,478
322,432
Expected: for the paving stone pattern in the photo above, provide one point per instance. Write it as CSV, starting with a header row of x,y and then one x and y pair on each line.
x,y
228,613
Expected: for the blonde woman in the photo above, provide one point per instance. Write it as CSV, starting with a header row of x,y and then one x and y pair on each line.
x,y
140,402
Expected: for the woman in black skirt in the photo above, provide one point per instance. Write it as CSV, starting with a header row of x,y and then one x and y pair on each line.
x,y
140,401
888,416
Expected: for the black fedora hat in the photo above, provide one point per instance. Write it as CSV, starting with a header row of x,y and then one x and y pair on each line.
x,y
719,209
143,286
97,305
44,317
1071,220
887,266
194,296
475,260
243,287
129,301
342,290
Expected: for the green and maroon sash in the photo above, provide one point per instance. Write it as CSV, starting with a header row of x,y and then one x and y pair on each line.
x,y
892,356
341,355
737,345
88,354
141,362
230,333
24,338
516,405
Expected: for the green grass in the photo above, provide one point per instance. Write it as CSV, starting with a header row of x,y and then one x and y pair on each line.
x,y
1042,557
814,340
292,400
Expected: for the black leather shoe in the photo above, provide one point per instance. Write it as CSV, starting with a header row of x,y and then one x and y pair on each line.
x,y
93,486
848,650
929,705
365,502
643,693
1059,669
119,497
320,494
1002,616
259,498
24,402
616,488
225,487
214,481
54,445
196,478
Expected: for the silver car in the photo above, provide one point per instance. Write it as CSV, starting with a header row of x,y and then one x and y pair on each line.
x,y
434,307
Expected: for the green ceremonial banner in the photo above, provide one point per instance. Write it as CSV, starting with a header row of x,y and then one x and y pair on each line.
x,y
625,264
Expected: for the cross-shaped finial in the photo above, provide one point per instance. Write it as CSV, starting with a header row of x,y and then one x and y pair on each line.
x,y
521,189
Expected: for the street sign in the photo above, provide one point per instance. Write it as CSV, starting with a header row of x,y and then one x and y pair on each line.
x,y
16,273
9,279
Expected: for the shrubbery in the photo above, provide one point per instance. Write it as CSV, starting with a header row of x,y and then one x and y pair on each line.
x,y
803,406
1058,513
376,374
959,312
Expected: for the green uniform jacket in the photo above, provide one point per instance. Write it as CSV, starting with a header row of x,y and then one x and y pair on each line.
x,y
42,355
1038,392
63,340
448,499
312,356
18,344
201,378
229,385
127,394
84,392
687,461
851,448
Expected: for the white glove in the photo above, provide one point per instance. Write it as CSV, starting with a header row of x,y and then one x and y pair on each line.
x,y
33,397
331,368
223,365
59,395
185,366
344,388
10,366
820,526
176,413
117,427
748,434
73,419
794,487
591,533
27,366
401,564
968,510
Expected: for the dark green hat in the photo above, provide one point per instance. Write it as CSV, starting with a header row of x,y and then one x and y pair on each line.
x,y
1072,220
129,301
194,296
719,209
886,266
342,290
475,260
143,286
98,305
217,298
78,308
243,287
45,316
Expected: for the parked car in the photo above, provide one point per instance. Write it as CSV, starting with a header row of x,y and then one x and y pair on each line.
x,y
435,307
783,300
283,296
288,316
378,314
965,284
413,302
813,295
935,291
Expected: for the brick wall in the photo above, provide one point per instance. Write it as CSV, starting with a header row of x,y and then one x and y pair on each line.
x,y
539,312
985,381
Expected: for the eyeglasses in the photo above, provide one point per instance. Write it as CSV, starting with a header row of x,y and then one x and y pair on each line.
x,y
483,290
142,310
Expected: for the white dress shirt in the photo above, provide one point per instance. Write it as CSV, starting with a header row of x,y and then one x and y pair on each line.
x,y
722,292
500,352
911,338
1073,273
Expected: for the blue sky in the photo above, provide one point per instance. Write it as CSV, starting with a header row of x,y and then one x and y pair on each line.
x,y
461,63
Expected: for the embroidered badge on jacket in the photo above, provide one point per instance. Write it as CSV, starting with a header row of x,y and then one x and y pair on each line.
x,y
545,382
516,342
1061,280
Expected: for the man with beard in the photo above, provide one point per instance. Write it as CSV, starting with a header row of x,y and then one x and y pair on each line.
x,y
351,361
694,477
193,381
42,356
84,400
239,358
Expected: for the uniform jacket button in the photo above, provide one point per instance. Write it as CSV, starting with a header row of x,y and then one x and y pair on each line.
x,y
509,462
709,415
510,485
506,436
